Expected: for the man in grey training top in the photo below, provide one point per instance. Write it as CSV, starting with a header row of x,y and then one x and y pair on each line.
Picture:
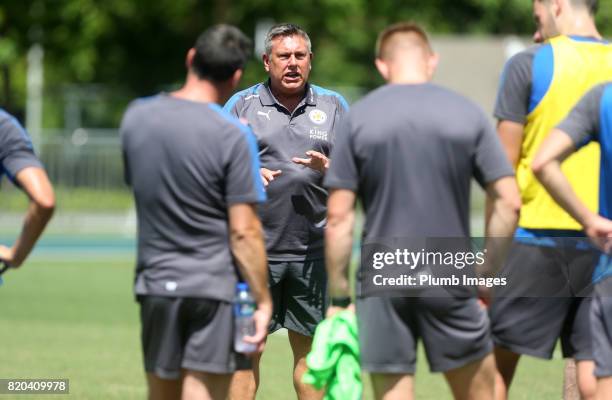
x,y
194,172
295,123
409,150
20,164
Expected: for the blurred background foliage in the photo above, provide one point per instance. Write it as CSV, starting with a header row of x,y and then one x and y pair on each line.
x,y
127,48
98,55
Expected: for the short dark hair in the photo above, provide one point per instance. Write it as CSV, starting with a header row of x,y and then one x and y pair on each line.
x,y
385,37
591,5
219,52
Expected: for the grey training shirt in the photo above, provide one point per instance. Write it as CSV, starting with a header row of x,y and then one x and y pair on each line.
x,y
410,151
16,151
584,121
187,162
294,215
513,97
526,79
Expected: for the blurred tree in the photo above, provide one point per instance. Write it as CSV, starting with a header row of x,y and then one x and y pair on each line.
x,y
136,47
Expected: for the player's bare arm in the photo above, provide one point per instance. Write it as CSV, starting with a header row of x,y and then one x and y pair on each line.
x,y
247,245
547,168
339,242
511,136
505,201
35,183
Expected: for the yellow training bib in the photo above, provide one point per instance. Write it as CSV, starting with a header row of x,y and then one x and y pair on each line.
x,y
576,65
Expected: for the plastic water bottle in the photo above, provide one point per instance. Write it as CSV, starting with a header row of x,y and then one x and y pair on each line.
x,y
244,324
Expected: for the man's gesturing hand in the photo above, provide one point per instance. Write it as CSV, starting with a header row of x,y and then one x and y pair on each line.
x,y
268,176
317,161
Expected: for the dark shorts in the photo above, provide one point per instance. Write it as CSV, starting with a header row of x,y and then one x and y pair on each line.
x,y
455,332
601,325
187,333
547,298
298,291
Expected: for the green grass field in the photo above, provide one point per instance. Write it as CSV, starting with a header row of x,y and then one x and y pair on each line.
x,y
78,320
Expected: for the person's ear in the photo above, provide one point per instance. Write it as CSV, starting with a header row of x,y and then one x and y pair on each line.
x,y
236,78
266,61
557,7
537,36
189,58
432,64
382,68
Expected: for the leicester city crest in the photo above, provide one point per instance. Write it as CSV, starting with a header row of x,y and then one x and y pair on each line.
x,y
317,116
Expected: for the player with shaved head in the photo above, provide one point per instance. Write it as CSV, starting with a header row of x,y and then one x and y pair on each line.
x,y
409,150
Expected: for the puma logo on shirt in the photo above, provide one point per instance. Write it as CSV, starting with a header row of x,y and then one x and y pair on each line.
x,y
265,114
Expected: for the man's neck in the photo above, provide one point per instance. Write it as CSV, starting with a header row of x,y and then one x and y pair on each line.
x,y
199,90
289,101
408,67
582,25
403,74
408,79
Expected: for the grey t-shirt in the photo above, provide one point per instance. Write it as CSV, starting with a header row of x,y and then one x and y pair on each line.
x,y
410,151
16,151
187,162
584,123
294,215
513,96
526,79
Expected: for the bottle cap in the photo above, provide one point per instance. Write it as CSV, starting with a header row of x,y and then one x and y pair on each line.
x,y
242,286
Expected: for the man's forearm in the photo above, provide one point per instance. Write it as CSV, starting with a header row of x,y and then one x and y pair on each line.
x,y
552,178
511,136
338,246
546,166
500,230
250,254
488,214
36,185
503,208
34,224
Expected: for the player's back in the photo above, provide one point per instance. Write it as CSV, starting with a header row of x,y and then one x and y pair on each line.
x,y
177,154
417,148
